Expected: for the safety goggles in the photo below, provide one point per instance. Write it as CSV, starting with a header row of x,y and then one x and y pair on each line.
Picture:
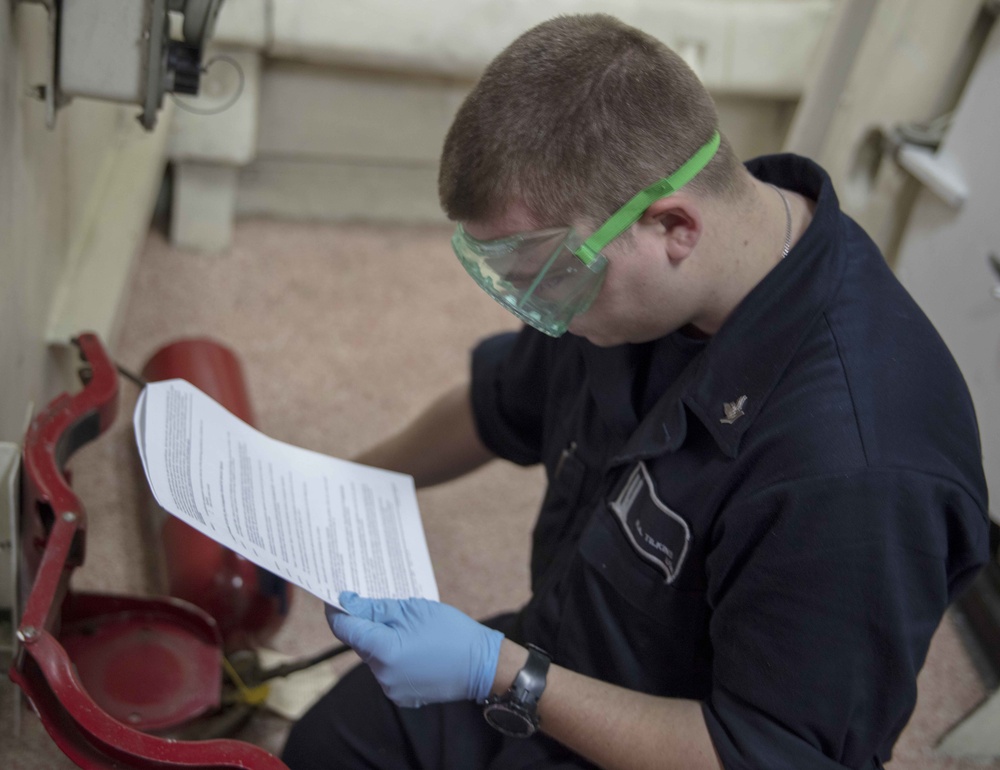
x,y
546,277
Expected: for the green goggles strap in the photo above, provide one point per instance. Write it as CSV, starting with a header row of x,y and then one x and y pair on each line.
x,y
629,214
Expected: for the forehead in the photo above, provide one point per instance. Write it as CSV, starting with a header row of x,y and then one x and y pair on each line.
x,y
516,218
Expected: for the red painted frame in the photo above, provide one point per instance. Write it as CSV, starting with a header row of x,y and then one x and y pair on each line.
x,y
53,546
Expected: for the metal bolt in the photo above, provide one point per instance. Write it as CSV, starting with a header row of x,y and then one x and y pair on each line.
x,y
69,517
27,635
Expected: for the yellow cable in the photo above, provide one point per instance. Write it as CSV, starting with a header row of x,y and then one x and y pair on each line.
x,y
254,696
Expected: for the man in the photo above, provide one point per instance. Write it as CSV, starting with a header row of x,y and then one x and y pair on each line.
x,y
764,475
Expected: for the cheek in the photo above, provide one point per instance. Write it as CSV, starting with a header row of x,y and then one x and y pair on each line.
x,y
626,299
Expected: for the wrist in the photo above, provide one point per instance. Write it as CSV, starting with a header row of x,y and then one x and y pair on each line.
x,y
512,659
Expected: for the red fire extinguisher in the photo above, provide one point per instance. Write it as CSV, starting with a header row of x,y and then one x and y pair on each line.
x,y
248,602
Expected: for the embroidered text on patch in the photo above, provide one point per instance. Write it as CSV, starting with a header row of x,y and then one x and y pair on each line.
x,y
655,532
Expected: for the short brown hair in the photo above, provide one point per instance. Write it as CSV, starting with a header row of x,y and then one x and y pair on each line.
x,y
573,119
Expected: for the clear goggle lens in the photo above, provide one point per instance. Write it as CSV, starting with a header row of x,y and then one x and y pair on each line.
x,y
536,276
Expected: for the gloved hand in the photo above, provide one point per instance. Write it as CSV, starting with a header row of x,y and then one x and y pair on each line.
x,y
420,651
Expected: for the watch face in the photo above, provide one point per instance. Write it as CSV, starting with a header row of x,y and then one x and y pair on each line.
x,y
509,719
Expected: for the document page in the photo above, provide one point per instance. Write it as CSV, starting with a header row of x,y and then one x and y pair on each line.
x,y
322,523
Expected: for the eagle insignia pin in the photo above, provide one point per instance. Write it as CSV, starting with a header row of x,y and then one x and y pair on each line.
x,y
733,410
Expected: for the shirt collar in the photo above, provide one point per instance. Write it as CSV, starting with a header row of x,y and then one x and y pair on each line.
x,y
747,356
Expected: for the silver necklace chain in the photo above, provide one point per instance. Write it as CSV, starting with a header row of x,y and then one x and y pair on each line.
x,y
788,223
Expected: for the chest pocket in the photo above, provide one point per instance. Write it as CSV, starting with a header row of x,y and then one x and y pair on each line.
x,y
643,608
640,544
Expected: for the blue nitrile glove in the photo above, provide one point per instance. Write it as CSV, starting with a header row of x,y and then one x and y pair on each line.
x,y
420,651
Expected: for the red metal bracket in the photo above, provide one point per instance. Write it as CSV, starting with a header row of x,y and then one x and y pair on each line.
x,y
53,545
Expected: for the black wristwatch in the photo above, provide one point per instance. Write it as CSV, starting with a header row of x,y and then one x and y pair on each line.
x,y
515,713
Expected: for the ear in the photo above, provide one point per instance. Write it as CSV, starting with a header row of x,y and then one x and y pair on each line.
x,y
678,220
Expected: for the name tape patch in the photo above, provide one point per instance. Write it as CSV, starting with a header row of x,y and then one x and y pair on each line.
x,y
657,534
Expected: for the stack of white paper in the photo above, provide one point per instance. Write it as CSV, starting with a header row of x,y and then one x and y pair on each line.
x,y
324,524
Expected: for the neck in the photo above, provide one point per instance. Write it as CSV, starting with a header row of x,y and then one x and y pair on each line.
x,y
745,244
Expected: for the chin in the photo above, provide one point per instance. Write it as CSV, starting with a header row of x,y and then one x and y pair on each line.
x,y
594,338
605,342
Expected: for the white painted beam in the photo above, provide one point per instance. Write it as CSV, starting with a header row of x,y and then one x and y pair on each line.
x,y
109,234
743,46
204,202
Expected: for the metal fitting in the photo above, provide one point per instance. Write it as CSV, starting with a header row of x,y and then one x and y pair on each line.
x,y
27,634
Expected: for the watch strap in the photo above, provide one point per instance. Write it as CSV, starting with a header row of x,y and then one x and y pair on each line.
x,y
529,684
